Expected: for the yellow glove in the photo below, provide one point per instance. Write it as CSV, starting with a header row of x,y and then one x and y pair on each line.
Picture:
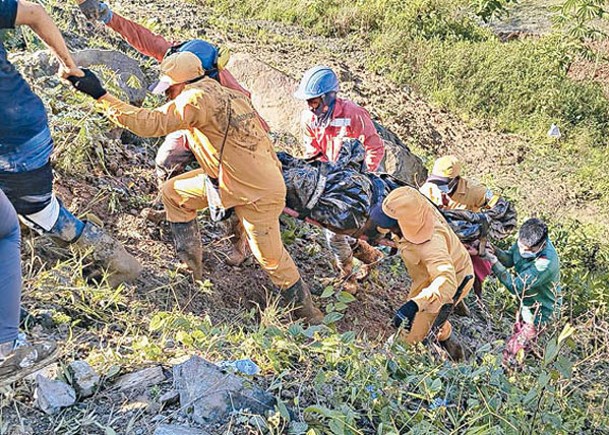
x,y
223,57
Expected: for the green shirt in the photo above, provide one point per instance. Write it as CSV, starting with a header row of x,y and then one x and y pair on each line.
x,y
537,281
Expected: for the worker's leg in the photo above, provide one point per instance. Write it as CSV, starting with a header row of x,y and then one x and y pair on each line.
x,y
183,196
10,271
261,223
31,193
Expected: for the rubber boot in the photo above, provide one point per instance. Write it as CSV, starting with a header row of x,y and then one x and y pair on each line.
x,y
188,244
368,255
239,248
300,296
121,265
347,277
454,348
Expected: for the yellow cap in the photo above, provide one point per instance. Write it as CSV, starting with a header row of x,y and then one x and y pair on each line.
x,y
413,212
447,166
180,67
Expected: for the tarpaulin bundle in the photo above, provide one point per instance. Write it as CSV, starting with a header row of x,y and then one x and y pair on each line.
x,y
337,194
496,223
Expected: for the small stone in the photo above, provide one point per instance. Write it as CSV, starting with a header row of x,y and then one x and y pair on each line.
x,y
84,378
258,422
49,371
141,379
51,396
174,429
169,398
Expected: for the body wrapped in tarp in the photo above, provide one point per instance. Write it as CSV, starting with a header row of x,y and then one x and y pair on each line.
x,y
344,198
335,194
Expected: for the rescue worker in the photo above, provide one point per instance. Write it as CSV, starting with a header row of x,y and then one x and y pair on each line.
x,y
233,150
536,282
448,190
26,145
17,357
328,120
174,155
437,262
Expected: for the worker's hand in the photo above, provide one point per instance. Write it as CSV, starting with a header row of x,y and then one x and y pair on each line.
x,y
88,84
65,72
95,10
492,258
405,315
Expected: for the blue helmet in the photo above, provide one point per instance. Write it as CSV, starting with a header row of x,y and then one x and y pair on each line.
x,y
316,82
206,52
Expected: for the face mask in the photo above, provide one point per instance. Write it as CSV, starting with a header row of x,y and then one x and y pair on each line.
x,y
526,253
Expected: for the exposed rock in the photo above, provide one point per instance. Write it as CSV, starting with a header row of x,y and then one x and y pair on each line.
x,y
51,396
272,95
175,429
272,92
129,76
208,395
126,71
141,379
84,378
169,398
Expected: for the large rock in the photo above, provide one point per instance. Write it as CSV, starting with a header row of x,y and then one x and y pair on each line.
x,y
124,71
84,378
128,75
208,395
51,396
272,95
272,92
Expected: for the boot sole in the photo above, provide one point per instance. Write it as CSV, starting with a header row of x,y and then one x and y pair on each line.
x,y
22,373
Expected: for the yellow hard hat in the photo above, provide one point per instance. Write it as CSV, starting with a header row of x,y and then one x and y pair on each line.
x,y
413,212
180,67
223,57
447,166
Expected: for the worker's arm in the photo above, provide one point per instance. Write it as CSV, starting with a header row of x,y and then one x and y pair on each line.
x,y
36,17
506,258
311,146
373,144
534,275
183,112
437,260
139,37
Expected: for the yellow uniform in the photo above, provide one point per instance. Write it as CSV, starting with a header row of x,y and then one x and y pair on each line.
x,y
435,258
250,178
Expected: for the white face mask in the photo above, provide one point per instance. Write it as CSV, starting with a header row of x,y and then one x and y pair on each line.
x,y
525,252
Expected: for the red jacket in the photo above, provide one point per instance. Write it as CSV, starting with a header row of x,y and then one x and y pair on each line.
x,y
348,120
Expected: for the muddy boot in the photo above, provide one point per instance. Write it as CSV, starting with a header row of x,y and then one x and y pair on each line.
x,y
368,255
454,348
462,310
121,265
188,244
239,248
300,296
347,278
18,359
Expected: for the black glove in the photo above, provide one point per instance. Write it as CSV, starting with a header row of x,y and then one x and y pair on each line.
x,y
405,315
89,84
